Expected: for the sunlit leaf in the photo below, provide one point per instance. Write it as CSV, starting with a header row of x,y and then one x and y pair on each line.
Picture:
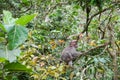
x,y
8,21
25,19
2,39
2,27
52,67
7,18
2,59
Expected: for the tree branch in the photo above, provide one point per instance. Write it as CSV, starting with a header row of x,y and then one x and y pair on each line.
x,y
100,46
90,19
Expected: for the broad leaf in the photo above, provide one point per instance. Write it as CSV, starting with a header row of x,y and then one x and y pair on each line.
x,y
2,39
8,27
25,19
10,55
2,27
16,67
2,60
8,20
7,17
102,60
17,36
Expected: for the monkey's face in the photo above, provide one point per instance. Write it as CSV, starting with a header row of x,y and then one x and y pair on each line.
x,y
73,43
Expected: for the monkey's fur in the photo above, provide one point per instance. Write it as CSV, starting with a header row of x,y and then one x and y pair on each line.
x,y
69,53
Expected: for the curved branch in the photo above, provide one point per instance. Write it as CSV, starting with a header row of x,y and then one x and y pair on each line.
x,y
90,19
100,46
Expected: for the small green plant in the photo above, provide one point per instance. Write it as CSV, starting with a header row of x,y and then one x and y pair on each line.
x,y
13,34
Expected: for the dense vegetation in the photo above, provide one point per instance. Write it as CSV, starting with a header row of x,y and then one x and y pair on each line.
x,y
33,33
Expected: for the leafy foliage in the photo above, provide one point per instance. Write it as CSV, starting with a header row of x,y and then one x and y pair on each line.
x,y
16,35
39,47
10,42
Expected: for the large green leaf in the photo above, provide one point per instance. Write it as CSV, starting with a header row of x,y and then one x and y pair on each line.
x,y
2,60
25,19
2,27
7,17
8,27
2,39
16,67
8,20
17,36
10,55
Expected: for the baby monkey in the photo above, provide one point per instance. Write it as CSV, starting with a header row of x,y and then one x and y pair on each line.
x,y
69,53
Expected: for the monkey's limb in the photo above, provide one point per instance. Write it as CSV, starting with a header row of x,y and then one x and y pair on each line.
x,y
70,55
70,63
